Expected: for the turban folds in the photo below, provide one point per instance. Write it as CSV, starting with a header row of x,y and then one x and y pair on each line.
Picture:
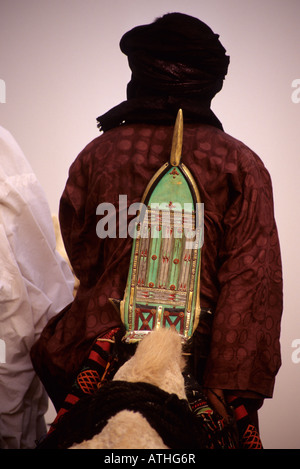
x,y
176,62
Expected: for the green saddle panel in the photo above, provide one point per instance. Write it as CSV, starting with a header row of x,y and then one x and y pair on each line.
x,y
163,284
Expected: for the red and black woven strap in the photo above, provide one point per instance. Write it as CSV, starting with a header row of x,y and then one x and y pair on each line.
x,y
95,372
248,433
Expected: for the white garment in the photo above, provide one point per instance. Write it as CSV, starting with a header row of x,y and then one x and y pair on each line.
x,y
35,284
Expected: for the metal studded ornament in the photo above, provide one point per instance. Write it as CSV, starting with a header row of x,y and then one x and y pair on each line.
x,y
163,284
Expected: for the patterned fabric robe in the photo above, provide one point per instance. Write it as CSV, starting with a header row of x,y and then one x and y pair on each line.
x,y
241,279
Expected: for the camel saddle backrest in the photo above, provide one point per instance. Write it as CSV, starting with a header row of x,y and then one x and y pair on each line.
x,y
163,284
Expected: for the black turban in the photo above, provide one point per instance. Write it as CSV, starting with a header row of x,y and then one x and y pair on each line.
x,y
176,62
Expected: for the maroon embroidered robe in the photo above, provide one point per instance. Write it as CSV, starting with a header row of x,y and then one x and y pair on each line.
x,y
241,277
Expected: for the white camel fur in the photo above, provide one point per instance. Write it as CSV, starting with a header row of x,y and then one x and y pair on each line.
x,y
158,360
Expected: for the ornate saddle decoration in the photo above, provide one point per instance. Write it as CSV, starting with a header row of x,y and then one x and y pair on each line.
x,y
163,284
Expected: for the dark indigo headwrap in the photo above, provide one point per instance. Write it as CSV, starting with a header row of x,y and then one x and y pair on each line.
x,y
176,62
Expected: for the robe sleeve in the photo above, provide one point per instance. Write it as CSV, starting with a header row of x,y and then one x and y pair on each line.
x,y
78,220
245,347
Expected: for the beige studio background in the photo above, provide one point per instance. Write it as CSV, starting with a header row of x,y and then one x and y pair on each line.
x,y
61,67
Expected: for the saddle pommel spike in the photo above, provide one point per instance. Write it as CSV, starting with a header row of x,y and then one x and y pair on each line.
x,y
177,140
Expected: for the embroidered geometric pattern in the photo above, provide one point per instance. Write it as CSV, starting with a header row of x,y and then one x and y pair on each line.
x,y
175,318
251,439
249,435
88,380
145,318
220,435
171,317
95,372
